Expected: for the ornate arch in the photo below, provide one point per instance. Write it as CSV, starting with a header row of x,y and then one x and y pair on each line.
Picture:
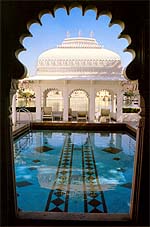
x,y
84,6
45,92
78,89
106,89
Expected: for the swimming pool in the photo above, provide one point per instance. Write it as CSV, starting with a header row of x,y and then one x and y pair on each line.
x,y
79,172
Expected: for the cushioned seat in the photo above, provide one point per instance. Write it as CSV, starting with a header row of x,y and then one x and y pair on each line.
x,y
105,115
47,113
82,115
57,115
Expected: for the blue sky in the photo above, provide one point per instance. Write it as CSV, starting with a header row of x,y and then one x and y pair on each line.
x,y
53,32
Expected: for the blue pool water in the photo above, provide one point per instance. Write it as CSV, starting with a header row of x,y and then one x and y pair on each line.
x,y
74,171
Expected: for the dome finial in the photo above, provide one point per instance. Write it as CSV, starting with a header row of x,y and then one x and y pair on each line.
x,y
91,34
68,34
79,33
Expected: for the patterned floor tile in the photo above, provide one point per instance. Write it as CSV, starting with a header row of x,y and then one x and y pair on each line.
x,y
36,160
32,168
93,194
59,193
112,150
90,178
58,201
94,202
56,209
23,183
63,172
43,149
96,211
90,172
89,164
116,158
127,185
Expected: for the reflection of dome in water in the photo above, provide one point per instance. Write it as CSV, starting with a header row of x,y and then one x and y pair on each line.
x,y
79,56
79,140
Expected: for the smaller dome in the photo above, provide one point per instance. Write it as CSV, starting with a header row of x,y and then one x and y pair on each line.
x,y
79,42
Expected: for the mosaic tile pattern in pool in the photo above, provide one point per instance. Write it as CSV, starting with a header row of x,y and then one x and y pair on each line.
x,y
74,172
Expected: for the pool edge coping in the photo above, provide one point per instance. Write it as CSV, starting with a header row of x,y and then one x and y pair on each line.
x,y
80,126
63,216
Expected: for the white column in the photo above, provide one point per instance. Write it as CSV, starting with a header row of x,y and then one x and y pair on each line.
x,y
92,104
65,96
14,113
119,106
38,102
113,113
113,103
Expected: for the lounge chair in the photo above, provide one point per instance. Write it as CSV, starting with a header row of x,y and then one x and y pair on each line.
x,y
47,113
105,115
57,115
82,115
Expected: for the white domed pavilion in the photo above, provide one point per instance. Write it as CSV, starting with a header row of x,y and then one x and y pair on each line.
x,y
78,75
79,59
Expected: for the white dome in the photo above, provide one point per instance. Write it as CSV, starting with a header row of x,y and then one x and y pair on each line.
x,y
79,56
80,48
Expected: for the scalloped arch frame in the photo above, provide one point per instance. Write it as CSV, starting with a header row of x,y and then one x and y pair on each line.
x,y
127,71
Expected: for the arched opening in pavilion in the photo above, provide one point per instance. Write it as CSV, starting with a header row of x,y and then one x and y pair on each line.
x,y
103,100
53,98
79,100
